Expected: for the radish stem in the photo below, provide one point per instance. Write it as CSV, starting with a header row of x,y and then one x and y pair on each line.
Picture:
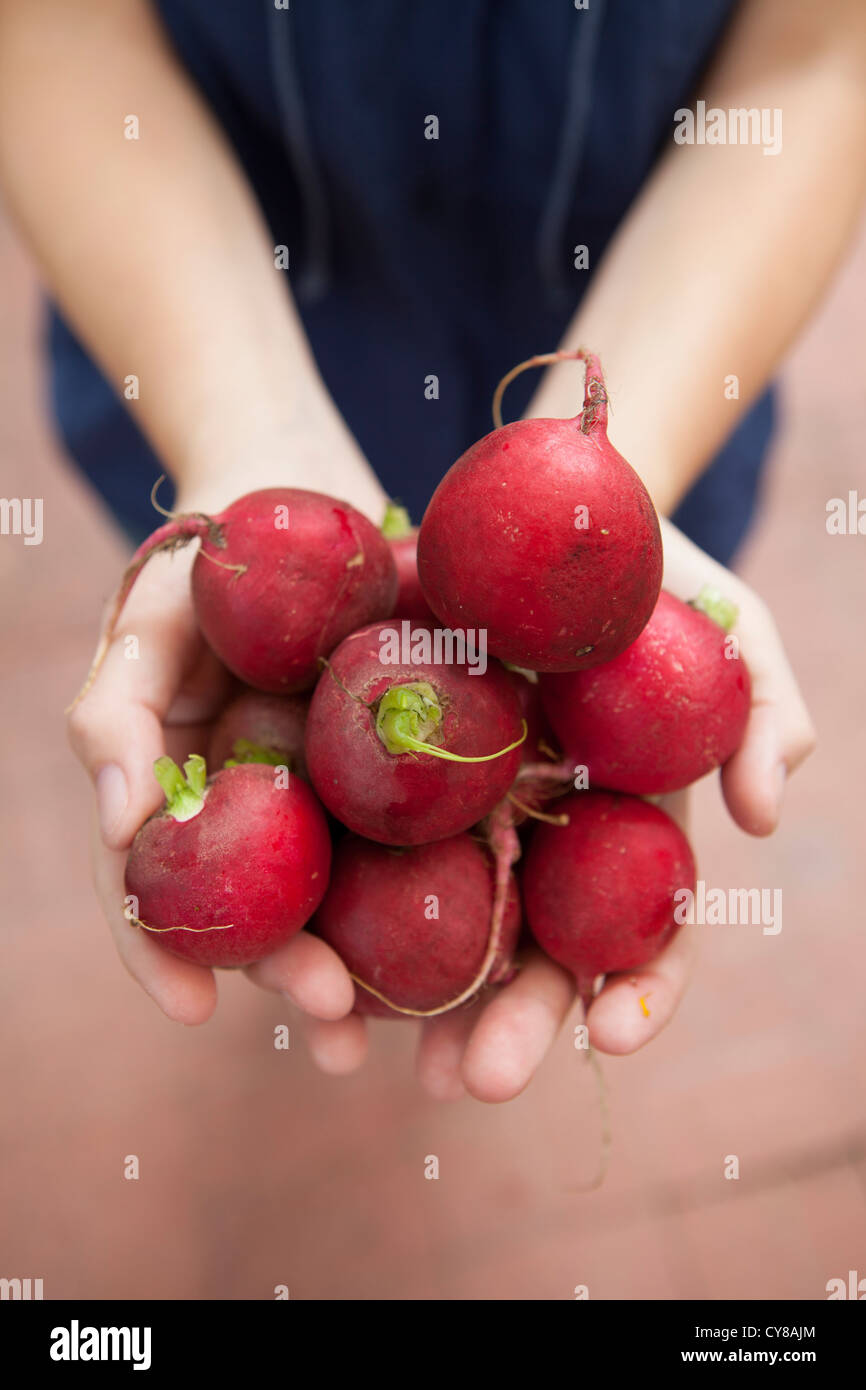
x,y
594,413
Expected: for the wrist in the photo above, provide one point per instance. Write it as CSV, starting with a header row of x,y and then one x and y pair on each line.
x,y
222,461
663,478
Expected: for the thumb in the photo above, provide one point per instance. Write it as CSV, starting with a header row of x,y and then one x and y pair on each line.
x,y
117,729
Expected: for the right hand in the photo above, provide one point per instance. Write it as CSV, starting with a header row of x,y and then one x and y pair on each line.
x,y
137,710
163,700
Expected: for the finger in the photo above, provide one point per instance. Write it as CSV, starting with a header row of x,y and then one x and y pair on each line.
x,y
753,779
779,734
310,974
516,1030
441,1046
338,1048
184,991
635,1006
180,740
205,689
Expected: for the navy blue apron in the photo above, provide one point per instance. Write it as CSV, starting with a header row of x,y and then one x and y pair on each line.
x,y
411,257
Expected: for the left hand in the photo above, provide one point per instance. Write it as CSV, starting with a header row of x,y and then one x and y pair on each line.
x,y
493,1049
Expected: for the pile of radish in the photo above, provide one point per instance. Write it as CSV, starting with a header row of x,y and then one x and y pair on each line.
x,y
441,742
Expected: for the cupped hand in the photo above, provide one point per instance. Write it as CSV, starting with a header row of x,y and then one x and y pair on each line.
x,y
493,1049
157,692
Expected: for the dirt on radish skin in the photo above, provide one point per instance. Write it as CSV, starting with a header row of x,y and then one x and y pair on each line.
x,y
231,868
410,797
543,535
415,923
255,721
281,577
673,706
599,892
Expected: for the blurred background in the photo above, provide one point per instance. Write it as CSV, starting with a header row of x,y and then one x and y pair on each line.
x,y
256,1170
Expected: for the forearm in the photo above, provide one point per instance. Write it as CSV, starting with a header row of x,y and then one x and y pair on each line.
x,y
727,250
156,251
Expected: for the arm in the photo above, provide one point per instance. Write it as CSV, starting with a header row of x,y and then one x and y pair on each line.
x,y
158,256
727,250
157,253
713,272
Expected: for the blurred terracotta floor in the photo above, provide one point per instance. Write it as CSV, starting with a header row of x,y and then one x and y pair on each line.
x,y
257,1171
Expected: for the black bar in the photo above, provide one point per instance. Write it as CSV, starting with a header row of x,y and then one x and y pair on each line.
x,y
247,1337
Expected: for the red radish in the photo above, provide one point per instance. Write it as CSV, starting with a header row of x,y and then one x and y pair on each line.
x,y
543,535
281,577
666,711
408,751
231,868
415,924
255,728
402,537
599,891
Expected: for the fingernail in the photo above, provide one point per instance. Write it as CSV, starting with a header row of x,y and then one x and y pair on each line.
x,y
112,797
